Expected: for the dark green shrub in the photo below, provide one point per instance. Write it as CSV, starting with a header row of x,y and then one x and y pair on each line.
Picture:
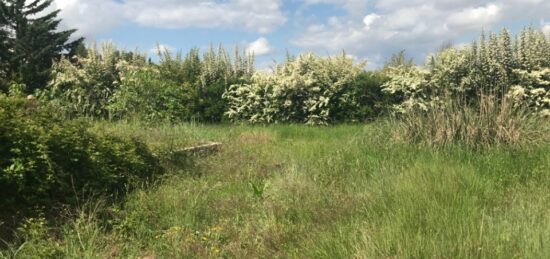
x,y
46,161
144,94
207,102
370,98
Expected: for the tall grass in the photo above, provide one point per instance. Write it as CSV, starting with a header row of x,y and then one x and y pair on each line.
x,y
490,121
335,192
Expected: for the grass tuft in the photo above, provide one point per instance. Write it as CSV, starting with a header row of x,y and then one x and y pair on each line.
x,y
491,122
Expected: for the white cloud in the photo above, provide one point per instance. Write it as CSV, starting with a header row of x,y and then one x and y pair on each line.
x,y
161,48
370,19
255,15
546,30
92,17
260,47
88,16
473,18
419,26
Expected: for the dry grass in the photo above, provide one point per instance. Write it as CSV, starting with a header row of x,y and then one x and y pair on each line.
x,y
490,122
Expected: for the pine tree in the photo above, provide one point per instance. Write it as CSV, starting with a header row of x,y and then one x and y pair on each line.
x,y
493,53
522,50
4,54
506,51
482,55
191,66
541,48
33,41
400,59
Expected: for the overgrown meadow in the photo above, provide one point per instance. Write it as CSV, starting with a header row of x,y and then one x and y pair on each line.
x,y
319,158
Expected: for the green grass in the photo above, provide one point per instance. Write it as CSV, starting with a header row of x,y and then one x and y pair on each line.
x,y
303,192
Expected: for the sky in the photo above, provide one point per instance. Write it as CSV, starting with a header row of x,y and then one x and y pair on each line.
x,y
369,30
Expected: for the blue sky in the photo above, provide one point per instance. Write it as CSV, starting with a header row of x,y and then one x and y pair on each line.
x,y
365,29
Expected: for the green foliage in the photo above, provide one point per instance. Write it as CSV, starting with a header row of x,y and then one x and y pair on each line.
x,y
46,161
258,189
308,89
114,84
30,42
146,95
205,80
371,101
85,85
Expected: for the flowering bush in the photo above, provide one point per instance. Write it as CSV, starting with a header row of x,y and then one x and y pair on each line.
x,y
533,90
480,95
83,86
412,85
110,83
490,67
308,89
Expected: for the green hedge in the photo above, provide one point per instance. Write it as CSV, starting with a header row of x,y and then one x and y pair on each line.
x,y
46,161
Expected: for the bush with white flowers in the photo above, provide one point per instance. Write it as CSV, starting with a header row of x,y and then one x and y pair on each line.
x,y
308,89
84,86
496,66
533,90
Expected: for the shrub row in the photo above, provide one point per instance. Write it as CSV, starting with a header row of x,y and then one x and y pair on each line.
x,y
109,83
493,91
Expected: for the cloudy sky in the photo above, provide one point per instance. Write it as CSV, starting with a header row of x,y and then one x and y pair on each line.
x,y
366,29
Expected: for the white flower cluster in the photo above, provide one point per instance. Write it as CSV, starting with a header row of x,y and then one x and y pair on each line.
x,y
412,84
304,90
499,67
85,85
533,90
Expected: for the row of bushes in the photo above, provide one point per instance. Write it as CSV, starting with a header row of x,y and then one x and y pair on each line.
x,y
111,84
304,89
46,161
308,89
517,70
493,91
108,83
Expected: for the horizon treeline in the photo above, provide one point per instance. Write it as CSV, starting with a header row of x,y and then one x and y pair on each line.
x,y
102,82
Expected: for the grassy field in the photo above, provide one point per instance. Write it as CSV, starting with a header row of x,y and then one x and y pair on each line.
x,y
303,192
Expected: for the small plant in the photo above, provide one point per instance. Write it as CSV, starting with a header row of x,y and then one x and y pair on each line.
x,y
258,189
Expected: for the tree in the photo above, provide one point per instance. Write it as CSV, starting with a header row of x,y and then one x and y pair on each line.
x,y
3,54
32,41
506,50
399,59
